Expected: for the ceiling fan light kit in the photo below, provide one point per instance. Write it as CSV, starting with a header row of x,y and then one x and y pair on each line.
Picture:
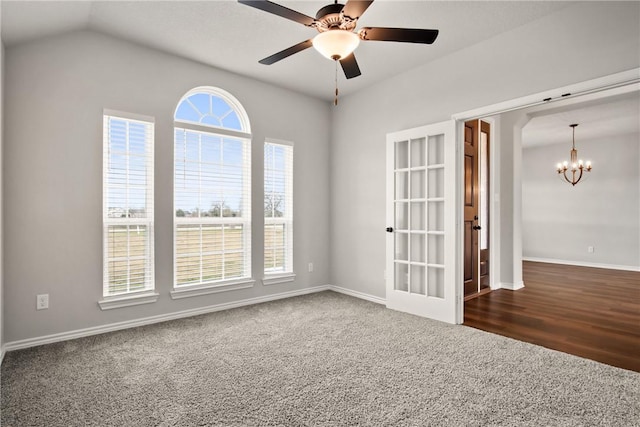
x,y
337,39
336,44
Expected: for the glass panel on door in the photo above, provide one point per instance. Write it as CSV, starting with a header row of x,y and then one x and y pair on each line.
x,y
410,176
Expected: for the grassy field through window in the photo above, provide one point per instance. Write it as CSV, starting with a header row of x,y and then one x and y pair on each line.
x,y
274,247
205,253
208,253
127,258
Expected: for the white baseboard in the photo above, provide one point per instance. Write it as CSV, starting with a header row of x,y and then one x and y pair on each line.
x,y
511,286
583,264
358,294
79,333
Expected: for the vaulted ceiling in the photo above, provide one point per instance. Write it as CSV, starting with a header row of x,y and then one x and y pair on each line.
x,y
232,36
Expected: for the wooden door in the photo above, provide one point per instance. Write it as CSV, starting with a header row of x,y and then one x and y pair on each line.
x,y
471,207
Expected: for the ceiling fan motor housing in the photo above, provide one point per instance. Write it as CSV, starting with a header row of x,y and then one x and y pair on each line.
x,y
330,17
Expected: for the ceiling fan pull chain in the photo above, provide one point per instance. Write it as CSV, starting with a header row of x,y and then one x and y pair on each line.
x,y
335,101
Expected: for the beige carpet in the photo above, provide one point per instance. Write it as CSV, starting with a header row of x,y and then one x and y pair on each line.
x,y
319,360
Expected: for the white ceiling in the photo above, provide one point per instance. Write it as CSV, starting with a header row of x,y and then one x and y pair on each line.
x,y
599,120
231,36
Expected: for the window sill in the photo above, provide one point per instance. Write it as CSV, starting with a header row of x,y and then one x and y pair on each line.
x,y
279,278
197,290
120,301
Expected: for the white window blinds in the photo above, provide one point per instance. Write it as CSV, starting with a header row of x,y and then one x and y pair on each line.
x,y
128,264
212,208
278,207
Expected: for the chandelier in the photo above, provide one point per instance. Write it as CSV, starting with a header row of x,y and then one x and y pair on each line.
x,y
574,168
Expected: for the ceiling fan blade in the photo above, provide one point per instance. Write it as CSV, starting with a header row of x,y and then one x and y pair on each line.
x,y
355,8
408,35
287,52
282,11
350,66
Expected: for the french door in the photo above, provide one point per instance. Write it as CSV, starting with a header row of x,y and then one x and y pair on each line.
x,y
420,244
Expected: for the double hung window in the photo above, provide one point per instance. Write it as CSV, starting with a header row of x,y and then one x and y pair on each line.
x,y
128,265
278,208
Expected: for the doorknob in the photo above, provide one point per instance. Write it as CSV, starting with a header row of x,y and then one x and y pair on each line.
x,y
389,229
477,227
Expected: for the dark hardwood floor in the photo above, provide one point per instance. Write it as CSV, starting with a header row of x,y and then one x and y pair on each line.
x,y
590,312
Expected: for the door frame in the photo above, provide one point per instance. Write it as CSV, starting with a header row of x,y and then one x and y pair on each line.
x,y
599,87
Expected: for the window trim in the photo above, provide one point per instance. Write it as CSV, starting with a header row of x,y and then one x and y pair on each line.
x,y
149,294
127,300
187,291
211,129
276,278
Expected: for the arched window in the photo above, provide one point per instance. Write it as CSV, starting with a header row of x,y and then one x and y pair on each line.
x,y
209,106
212,192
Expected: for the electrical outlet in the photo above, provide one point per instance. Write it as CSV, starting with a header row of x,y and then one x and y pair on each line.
x,y
590,249
42,302
310,267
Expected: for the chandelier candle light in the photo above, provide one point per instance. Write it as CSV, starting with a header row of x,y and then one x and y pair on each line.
x,y
575,166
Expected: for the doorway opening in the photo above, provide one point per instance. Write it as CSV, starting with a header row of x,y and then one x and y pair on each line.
x,y
550,280
505,221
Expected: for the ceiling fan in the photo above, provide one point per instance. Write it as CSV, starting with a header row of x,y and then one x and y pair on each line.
x,y
337,38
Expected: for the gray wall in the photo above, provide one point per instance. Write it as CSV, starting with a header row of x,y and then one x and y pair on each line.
x,y
509,129
559,221
56,91
1,200
557,50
